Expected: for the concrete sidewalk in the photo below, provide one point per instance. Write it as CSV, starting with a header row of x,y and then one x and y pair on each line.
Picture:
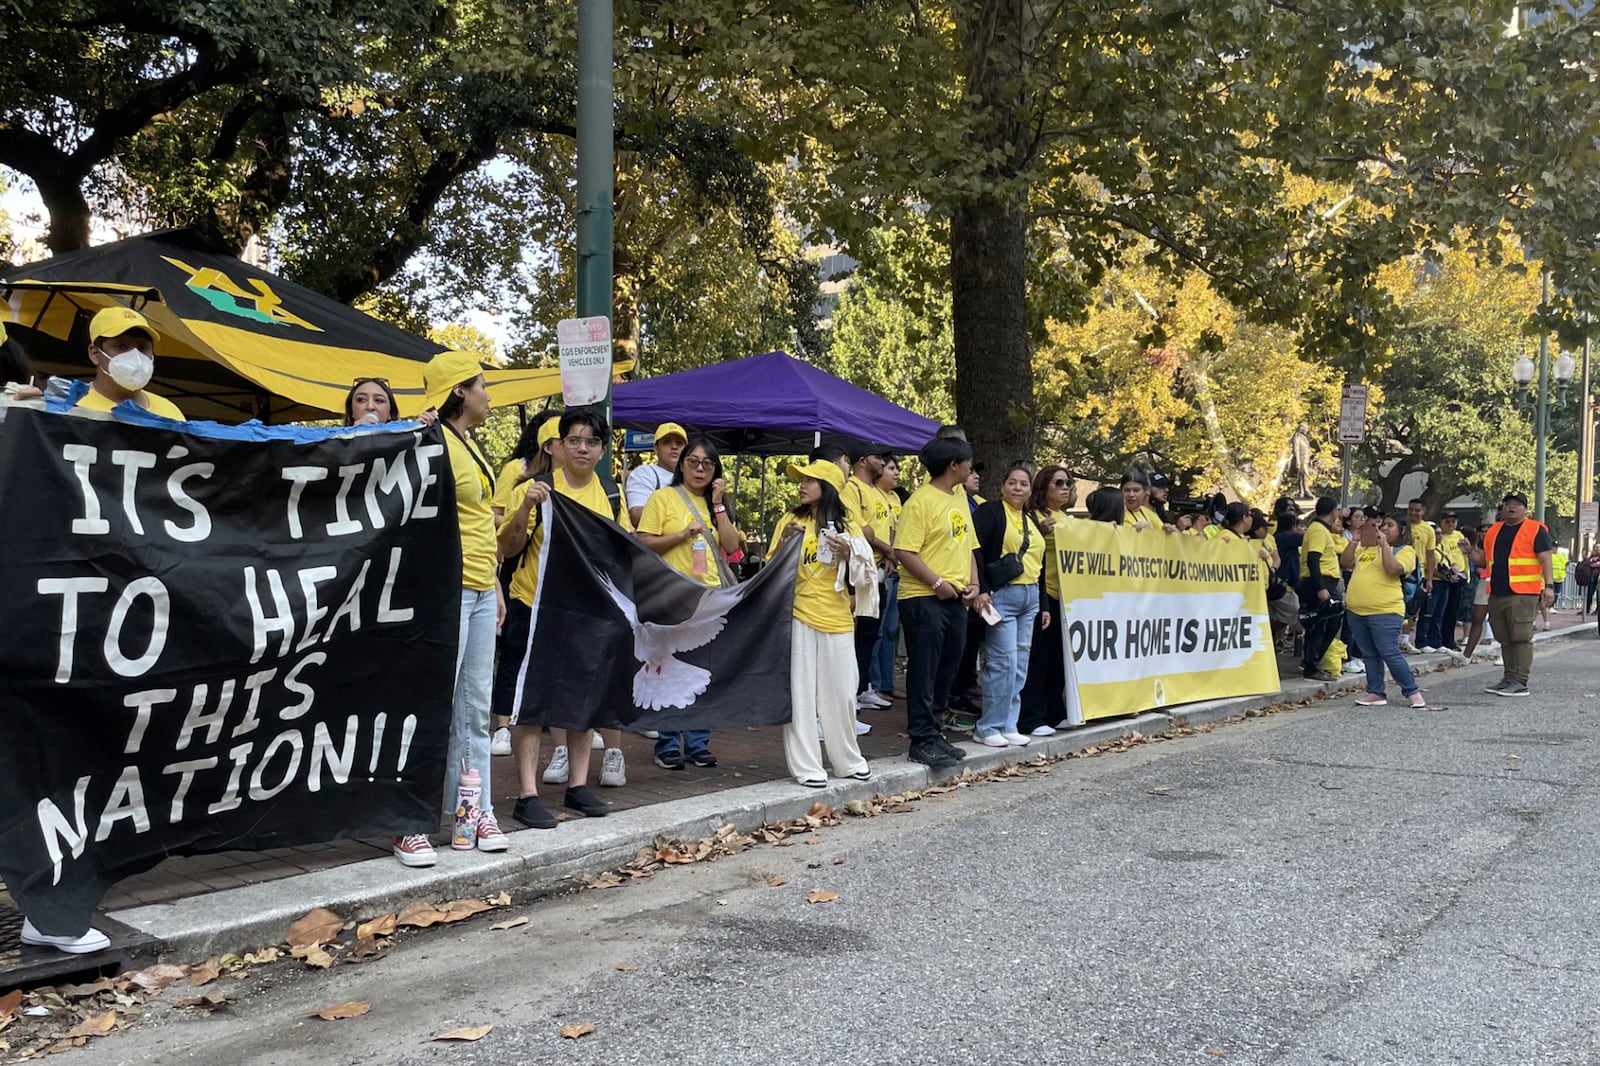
x,y
243,916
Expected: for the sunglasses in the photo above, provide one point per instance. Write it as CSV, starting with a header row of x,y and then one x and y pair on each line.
x,y
698,463
367,381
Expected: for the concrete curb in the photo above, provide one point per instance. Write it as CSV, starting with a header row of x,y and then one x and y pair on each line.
x,y
240,919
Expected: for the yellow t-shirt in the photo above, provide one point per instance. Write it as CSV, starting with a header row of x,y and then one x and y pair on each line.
x,y
816,602
665,514
1423,538
95,400
861,502
510,474
525,581
885,515
1052,561
1143,514
1452,549
938,527
1033,561
473,496
1372,590
1319,538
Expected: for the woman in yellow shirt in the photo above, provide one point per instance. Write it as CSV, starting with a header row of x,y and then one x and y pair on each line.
x,y
1012,548
1043,707
690,525
1379,559
823,673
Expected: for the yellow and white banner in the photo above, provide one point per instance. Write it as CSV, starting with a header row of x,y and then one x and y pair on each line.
x,y
1153,619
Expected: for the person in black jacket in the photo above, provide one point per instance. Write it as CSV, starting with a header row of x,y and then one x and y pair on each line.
x,y
1044,707
1011,549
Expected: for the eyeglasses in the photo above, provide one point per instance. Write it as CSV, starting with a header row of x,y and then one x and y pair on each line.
x,y
581,442
1060,483
366,381
700,463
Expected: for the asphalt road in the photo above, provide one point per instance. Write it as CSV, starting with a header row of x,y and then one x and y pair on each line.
x,y
1327,885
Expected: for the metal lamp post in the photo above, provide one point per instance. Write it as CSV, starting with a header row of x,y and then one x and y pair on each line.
x,y
1523,372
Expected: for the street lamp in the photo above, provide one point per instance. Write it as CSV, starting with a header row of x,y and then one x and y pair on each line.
x,y
1523,372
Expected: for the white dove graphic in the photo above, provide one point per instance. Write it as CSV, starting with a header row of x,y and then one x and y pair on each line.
x,y
664,680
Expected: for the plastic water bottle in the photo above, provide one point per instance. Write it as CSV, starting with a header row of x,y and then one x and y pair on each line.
x,y
469,796
700,564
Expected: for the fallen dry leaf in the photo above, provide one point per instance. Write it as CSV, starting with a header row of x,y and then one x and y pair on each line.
x,y
315,927
511,923
104,984
159,976
502,899
313,955
367,946
209,1001
471,1032
383,925
95,1025
265,955
459,909
10,1002
420,915
352,1008
777,882
626,967
822,896
204,974
574,1032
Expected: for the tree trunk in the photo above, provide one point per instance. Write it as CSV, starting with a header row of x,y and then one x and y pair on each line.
x,y
994,369
68,209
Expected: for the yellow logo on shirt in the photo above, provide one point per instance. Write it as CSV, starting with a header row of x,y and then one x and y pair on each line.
x,y
959,522
808,551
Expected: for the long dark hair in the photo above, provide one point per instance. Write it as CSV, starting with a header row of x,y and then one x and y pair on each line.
x,y
710,449
1039,498
350,397
1106,505
828,510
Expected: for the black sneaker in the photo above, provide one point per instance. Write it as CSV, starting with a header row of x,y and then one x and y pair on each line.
x,y
703,757
950,749
932,755
531,813
672,760
1513,688
586,803
1498,688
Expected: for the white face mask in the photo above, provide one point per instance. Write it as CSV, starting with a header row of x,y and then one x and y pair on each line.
x,y
131,369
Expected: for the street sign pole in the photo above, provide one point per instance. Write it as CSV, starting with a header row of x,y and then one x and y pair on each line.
x,y
1352,430
596,101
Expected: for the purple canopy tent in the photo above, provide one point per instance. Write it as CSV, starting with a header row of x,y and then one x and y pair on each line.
x,y
771,404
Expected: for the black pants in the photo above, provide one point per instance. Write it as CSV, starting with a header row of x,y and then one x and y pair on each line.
x,y
1320,628
935,632
866,640
511,648
967,674
1042,699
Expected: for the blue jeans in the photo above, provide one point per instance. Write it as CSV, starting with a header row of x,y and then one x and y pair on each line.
x,y
881,668
1005,663
688,741
469,718
1438,630
1379,638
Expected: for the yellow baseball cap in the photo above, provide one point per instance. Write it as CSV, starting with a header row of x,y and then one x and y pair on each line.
x,y
115,321
671,429
821,471
549,431
444,372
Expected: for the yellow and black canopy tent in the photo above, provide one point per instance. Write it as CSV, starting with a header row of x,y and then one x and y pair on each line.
x,y
236,341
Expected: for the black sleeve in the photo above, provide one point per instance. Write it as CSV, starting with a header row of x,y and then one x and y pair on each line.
x,y
1314,564
1542,541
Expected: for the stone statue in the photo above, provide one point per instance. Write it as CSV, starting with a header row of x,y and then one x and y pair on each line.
x,y
1300,466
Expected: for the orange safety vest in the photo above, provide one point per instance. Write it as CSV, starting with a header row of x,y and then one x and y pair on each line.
x,y
1523,569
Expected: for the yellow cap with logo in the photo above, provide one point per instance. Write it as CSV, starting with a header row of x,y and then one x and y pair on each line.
x,y
444,372
820,471
115,321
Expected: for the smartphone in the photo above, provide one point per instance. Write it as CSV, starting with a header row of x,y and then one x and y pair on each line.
x,y
990,615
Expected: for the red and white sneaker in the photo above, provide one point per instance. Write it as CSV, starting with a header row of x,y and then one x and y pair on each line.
x,y
490,837
414,850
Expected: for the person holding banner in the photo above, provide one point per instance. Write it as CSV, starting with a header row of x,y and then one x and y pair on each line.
x,y
935,547
677,523
582,436
1106,504
1044,710
455,389
1375,602
1136,503
1321,612
822,657
1011,546
122,349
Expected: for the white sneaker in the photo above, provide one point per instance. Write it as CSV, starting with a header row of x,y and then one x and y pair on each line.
x,y
862,728
556,773
1406,645
1016,740
500,743
1355,666
871,701
648,734
993,740
596,741
1043,731
613,769
90,940
1063,724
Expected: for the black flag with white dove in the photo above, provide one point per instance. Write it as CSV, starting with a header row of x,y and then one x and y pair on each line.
x,y
620,639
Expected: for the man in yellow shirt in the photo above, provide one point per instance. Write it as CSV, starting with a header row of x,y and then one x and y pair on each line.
x,y
1448,581
1321,592
863,500
1419,610
934,544
887,518
1137,511
122,347
583,437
